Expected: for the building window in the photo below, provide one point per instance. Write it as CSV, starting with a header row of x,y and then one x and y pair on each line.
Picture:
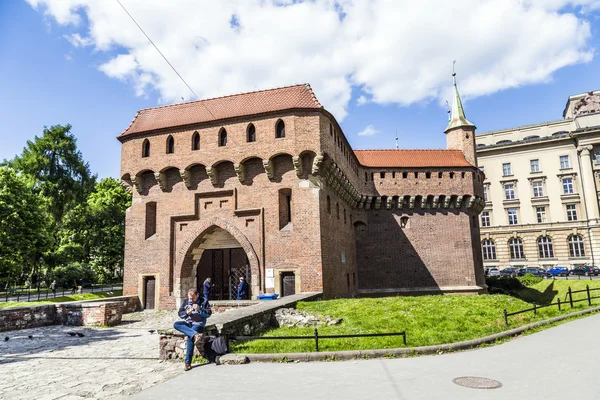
x,y
223,137
251,133
150,219
597,156
571,212
564,162
545,247
382,175
337,210
512,216
567,185
576,248
280,130
196,141
535,165
516,249
451,174
485,193
170,145
330,130
506,170
540,213
404,175
428,175
538,189
509,191
328,205
485,218
489,249
344,216
285,207
146,148
404,222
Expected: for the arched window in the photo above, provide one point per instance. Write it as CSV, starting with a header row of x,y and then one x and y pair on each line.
x,y
146,148
545,247
330,130
280,130
404,222
576,248
251,133
516,249
328,205
170,145
223,137
196,141
489,249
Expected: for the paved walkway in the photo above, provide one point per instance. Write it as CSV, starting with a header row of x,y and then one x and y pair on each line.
x,y
558,363
107,363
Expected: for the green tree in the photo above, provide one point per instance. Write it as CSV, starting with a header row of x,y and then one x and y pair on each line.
x,y
57,169
94,232
23,226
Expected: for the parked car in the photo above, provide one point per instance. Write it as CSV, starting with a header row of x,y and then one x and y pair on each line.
x,y
509,271
586,270
558,271
533,271
492,271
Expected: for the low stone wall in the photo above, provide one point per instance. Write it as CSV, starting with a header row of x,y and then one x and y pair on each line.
x,y
248,321
103,312
27,317
90,314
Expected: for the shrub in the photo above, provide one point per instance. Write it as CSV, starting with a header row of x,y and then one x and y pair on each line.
x,y
529,280
66,274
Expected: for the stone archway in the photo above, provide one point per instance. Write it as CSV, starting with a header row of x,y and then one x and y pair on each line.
x,y
191,249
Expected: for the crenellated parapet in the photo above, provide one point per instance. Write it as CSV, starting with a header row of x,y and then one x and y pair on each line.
x,y
269,169
212,175
422,202
186,177
161,180
240,171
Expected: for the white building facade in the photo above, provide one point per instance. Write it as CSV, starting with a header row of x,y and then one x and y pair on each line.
x,y
542,190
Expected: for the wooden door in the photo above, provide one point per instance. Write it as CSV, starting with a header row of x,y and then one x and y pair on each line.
x,y
149,292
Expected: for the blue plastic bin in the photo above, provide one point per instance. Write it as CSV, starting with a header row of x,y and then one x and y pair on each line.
x,y
268,296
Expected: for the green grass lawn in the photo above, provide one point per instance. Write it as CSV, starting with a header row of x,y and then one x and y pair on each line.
x,y
427,320
62,299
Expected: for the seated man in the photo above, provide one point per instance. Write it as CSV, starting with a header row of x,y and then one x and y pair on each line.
x,y
194,320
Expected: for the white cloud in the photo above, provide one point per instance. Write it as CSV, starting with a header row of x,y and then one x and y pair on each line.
x,y
368,131
361,100
393,51
77,41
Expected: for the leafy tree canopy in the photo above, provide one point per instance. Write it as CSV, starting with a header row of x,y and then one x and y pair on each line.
x,y
56,169
23,225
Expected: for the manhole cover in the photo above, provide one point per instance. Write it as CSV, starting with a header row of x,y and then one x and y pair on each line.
x,y
476,382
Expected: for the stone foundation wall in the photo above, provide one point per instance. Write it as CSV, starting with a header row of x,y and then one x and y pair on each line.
x,y
219,306
90,314
87,313
27,317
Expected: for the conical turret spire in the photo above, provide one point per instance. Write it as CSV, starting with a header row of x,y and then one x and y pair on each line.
x,y
457,118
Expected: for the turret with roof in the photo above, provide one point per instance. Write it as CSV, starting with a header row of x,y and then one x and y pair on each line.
x,y
460,133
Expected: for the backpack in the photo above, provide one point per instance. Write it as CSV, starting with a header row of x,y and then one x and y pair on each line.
x,y
213,347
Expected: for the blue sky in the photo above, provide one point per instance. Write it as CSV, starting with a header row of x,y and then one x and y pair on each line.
x,y
48,77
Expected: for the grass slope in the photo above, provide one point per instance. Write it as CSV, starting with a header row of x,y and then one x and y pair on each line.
x,y
62,299
427,320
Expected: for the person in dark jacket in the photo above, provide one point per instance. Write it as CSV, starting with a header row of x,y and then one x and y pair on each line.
x,y
206,289
242,289
194,320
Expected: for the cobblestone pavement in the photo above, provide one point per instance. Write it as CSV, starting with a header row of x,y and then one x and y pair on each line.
x,y
106,363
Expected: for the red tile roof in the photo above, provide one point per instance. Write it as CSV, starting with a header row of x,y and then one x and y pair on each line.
x,y
412,158
238,105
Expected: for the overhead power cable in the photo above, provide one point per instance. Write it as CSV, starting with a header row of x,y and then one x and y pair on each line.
x,y
163,56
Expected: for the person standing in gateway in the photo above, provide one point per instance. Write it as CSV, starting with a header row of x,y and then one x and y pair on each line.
x,y
242,289
206,289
